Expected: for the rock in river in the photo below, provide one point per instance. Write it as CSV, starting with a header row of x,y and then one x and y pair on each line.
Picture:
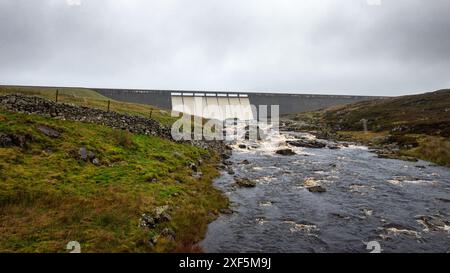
x,y
316,189
306,143
245,182
312,186
285,152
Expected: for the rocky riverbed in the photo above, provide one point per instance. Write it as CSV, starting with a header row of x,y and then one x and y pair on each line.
x,y
325,196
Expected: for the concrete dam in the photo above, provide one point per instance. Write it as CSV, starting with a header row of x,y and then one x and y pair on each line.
x,y
227,105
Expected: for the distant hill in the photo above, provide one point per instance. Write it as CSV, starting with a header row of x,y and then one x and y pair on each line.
x,y
427,113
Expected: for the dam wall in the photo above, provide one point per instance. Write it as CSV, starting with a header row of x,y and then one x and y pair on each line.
x,y
192,101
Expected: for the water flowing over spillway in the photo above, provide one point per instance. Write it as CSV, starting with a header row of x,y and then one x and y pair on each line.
x,y
402,205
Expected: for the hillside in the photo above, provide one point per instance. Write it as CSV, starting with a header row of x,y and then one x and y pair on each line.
x,y
109,189
90,98
418,124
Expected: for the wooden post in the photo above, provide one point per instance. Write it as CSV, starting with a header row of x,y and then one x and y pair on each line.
x,y
109,104
57,93
151,111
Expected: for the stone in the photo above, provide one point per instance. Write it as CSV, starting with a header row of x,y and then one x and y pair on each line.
x,y
305,143
50,132
433,222
227,163
161,215
20,140
83,153
242,146
312,186
318,189
333,147
168,232
5,140
226,211
158,215
286,152
245,182
193,167
91,156
245,162
154,239
310,182
198,175
96,162
8,140
147,221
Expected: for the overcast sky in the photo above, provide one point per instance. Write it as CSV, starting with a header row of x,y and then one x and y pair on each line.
x,y
370,47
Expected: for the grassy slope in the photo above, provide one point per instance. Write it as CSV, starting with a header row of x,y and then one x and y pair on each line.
x,y
419,123
90,98
48,197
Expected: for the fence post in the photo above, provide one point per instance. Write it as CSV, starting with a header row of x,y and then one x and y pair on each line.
x,y
57,93
151,112
109,104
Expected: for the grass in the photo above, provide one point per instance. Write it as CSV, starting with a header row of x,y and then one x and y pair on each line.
x,y
90,98
48,197
434,149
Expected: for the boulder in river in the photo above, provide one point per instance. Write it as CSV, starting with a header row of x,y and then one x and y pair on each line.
x,y
226,211
245,162
433,222
307,143
230,171
312,186
310,182
245,182
333,146
318,189
286,152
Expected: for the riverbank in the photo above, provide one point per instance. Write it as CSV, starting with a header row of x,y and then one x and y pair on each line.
x,y
407,128
109,189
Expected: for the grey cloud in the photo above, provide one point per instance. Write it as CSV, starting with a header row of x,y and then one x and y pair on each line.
x,y
310,46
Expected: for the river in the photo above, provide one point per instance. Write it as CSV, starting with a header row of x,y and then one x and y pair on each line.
x,y
403,206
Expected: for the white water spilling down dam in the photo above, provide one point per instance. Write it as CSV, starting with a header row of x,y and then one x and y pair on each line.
x,y
220,106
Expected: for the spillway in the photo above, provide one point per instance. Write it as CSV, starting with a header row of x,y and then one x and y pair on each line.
x,y
212,109
246,108
188,105
177,104
213,106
